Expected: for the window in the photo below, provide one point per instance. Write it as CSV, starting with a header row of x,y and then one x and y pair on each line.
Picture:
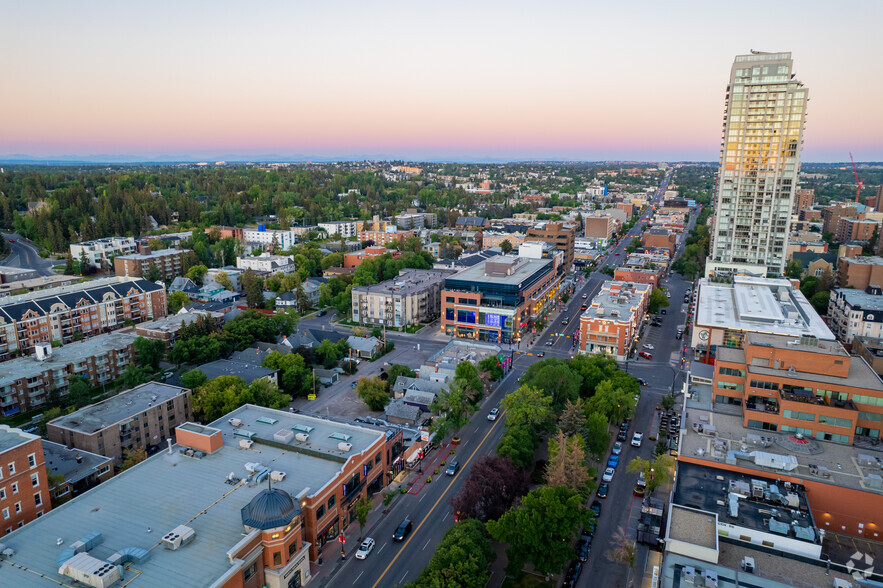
x,y
331,501
869,400
38,499
35,480
277,559
32,460
250,571
870,416
292,548
17,507
12,468
377,458
320,512
725,371
15,487
761,385
5,513
800,416
834,421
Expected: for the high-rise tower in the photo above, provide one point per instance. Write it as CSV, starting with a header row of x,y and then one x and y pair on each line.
x,y
760,158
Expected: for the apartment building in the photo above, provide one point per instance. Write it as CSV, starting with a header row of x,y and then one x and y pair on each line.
x,y
267,532
168,262
832,214
25,382
140,418
561,235
24,486
167,328
859,272
345,229
853,229
355,259
764,118
382,238
416,220
99,252
69,313
412,297
611,322
494,239
856,312
261,236
78,469
498,299
600,226
267,263
803,199
14,288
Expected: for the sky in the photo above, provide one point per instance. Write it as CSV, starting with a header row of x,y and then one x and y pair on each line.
x,y
455,80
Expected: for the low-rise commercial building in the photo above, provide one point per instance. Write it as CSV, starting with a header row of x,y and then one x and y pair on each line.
x,y
140,418
639,275
68,313
24,485
498,299
267,263
611,322
99,252
859,272
236,517
25,382
660,238
725,312
856,312
412,297
169,264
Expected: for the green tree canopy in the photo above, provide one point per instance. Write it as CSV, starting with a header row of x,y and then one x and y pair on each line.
x,y
193,378
149,352
658,300
556,379
177,300
530,407
612,399
461,560
373,392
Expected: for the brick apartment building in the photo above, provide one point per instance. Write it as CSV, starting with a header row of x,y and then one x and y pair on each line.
x,y
611,323
600,227
384,237
354,259
803,199
25,382
853,229
638,275
831,215
79,470
169,262
660,239
561,235
143,417
859,272
68,313
24,485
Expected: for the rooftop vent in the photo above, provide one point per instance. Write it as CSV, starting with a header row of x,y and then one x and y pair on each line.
x,y
302,437
343,446
177,537
235,422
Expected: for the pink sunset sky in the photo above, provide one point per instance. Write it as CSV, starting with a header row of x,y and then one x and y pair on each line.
x,y
458,80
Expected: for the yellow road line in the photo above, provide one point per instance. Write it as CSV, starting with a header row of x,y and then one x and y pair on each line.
x,y
491,430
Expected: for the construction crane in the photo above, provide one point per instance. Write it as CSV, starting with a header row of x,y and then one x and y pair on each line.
x,y
859,183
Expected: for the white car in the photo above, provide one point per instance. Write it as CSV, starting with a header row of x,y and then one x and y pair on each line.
x,y
492,415
636,439
365,548
649,346
617,448
608,475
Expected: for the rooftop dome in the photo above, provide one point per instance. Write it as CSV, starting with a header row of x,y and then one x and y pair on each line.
x,y
270,509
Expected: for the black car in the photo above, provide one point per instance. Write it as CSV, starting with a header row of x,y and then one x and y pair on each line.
x,y
642,381
322,313
622,436
403,531
572,574
596,508
602,490
582,549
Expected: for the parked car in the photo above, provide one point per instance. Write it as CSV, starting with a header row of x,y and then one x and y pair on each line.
x,y
617,448
649,346
662,311
582,549
640,485
572,575
613,461
492,415
596,508
365,548
608,475
322,313
646,355
403,531
602,490
622,436
636,439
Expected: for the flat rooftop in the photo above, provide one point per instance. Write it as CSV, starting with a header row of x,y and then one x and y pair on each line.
x,y
763,305
151,255
623,302
172,489
522,271
95,417
692,526
873,260
707,488
63,461
824,462
173,322
859,299
11,437
457,352
249,372
72,353
409,281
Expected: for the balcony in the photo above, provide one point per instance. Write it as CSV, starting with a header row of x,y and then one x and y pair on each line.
x,y
762,404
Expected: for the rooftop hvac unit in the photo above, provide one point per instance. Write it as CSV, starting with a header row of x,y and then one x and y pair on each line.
x,y
838,583
90,571
246,443
303,437
277,476
283,435
343,446
748,564
235,422
177,537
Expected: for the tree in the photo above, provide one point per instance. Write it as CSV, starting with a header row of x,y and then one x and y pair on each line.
x,y
197,274
530,407
656,472
217,397
132,457
491,366
332,260
820,301
466,377
455,406
612,400
597,435
506,246
223,278
193,378
627,553
794,270
461,560
177,300
594,369
69,264
555,378
373,392
362,508
519,443
567,464
826,281
492,486
253,286
573,418
541,529
154,274
85,266
265,393
294,377
658,300
634,245
149,352
78,392
134,376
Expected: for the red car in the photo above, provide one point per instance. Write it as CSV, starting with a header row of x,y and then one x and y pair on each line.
x,y
646,355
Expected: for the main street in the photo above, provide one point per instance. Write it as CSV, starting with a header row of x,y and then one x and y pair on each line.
x,y
394,564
